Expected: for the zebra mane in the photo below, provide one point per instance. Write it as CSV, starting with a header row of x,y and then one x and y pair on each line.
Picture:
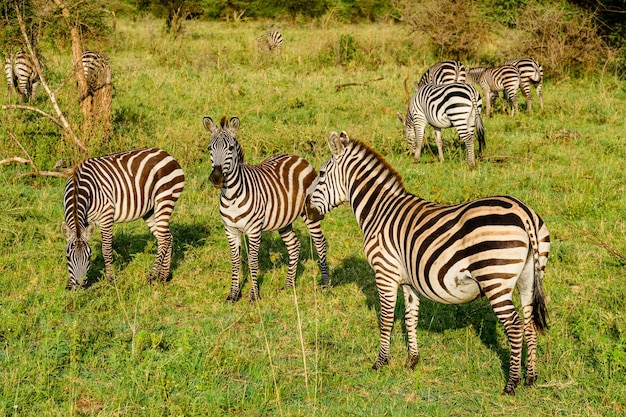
x,y
75,202
369,150
223,122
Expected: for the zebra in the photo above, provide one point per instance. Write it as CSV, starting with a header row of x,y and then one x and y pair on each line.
x,y
21,76
443,106
97,70
259,198
445,72
271,40
493,79
450,254
122,187
531,73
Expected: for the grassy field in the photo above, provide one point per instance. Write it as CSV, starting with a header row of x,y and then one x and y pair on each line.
x,y
178,349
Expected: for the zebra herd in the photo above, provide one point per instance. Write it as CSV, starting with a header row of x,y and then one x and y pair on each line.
x,y
450,254
445,97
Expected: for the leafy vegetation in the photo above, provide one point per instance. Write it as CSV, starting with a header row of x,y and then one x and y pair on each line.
x,y
128,348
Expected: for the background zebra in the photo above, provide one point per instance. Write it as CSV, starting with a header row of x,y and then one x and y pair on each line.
x,y
449,254
493,79
118,188
21,76
97,70
531,73
255,199
271,40
445,72
442,106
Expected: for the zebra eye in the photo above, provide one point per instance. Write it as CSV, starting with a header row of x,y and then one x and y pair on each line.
x,y
231,148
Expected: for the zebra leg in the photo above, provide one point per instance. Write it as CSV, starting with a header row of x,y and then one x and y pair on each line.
x,y
293,249
160,229
513,102
525,89
234,242
387,293
439,142
320,247
411,304
487,94
539,96
416,146
106,229
526,287
506,313
254,242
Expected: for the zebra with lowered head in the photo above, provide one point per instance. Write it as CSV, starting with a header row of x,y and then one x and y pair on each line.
x,y
22,76
97,70
119,188
259,198
449,254
494,79
531,74
455,105
445,72
270,41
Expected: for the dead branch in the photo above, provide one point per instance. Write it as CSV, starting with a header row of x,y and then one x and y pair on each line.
x,y
340,86
35,109
29,161
596,240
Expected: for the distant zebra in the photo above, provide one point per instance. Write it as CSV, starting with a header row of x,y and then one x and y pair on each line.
x,y
21,76
270,41
445,72
531,73
259,198
119,188
448,254
455,105
493,79
97,70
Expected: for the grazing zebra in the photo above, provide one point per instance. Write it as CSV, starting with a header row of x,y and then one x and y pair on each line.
x,y
270,41
531,73
493,79
118,188
442,106
21,76
449,254
445,72
259,198
97,70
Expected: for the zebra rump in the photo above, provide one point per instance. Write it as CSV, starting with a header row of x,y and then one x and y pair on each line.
x,y
445,72
531,73
118,188
21,76
450,254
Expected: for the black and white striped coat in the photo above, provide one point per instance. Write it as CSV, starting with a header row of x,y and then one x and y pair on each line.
x,y
97,70
271,41
257,198
494,79
455,105
445,72
21,76
119,188
449,254
531,74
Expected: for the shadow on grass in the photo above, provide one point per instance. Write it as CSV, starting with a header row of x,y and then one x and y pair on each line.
x,y
127,244
433,316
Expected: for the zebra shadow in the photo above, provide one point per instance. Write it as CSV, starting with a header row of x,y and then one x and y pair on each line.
x,y
128,242
433,316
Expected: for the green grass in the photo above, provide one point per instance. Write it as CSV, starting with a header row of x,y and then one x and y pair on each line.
x,y
173,349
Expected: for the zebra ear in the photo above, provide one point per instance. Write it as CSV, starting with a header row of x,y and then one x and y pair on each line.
x,y
400,118
233,124
89,230
335,143
67,230
209,124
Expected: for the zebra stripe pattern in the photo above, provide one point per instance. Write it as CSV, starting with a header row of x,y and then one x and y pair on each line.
x,y
118,188
21,76
449,254
445,72
531,74
97,70
270,41
494,79
259,198
455,105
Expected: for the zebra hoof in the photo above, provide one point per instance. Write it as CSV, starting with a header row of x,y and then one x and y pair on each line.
x,y
530,380
413,360
380,363
232,299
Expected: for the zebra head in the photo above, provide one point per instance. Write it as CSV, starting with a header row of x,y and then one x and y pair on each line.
x,y
329,189
77,252
226,153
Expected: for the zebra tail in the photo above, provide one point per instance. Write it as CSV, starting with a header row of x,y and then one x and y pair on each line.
x,y
540,310
480,129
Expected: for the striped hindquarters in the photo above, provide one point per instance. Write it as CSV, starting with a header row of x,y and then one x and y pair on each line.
x,y
494,79
444,72
21,75
271,40
97,70
531,73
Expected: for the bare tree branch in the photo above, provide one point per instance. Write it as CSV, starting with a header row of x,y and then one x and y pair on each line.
x,y
36,110
36,172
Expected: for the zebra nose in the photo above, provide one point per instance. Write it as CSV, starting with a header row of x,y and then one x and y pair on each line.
x,y
217,176
310,212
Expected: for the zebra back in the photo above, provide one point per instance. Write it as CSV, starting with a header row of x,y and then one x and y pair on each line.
x,y
21,75
530,70
97,70
444,72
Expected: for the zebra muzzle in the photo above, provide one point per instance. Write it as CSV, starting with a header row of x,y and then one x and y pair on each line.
x,y
217,177
310,212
